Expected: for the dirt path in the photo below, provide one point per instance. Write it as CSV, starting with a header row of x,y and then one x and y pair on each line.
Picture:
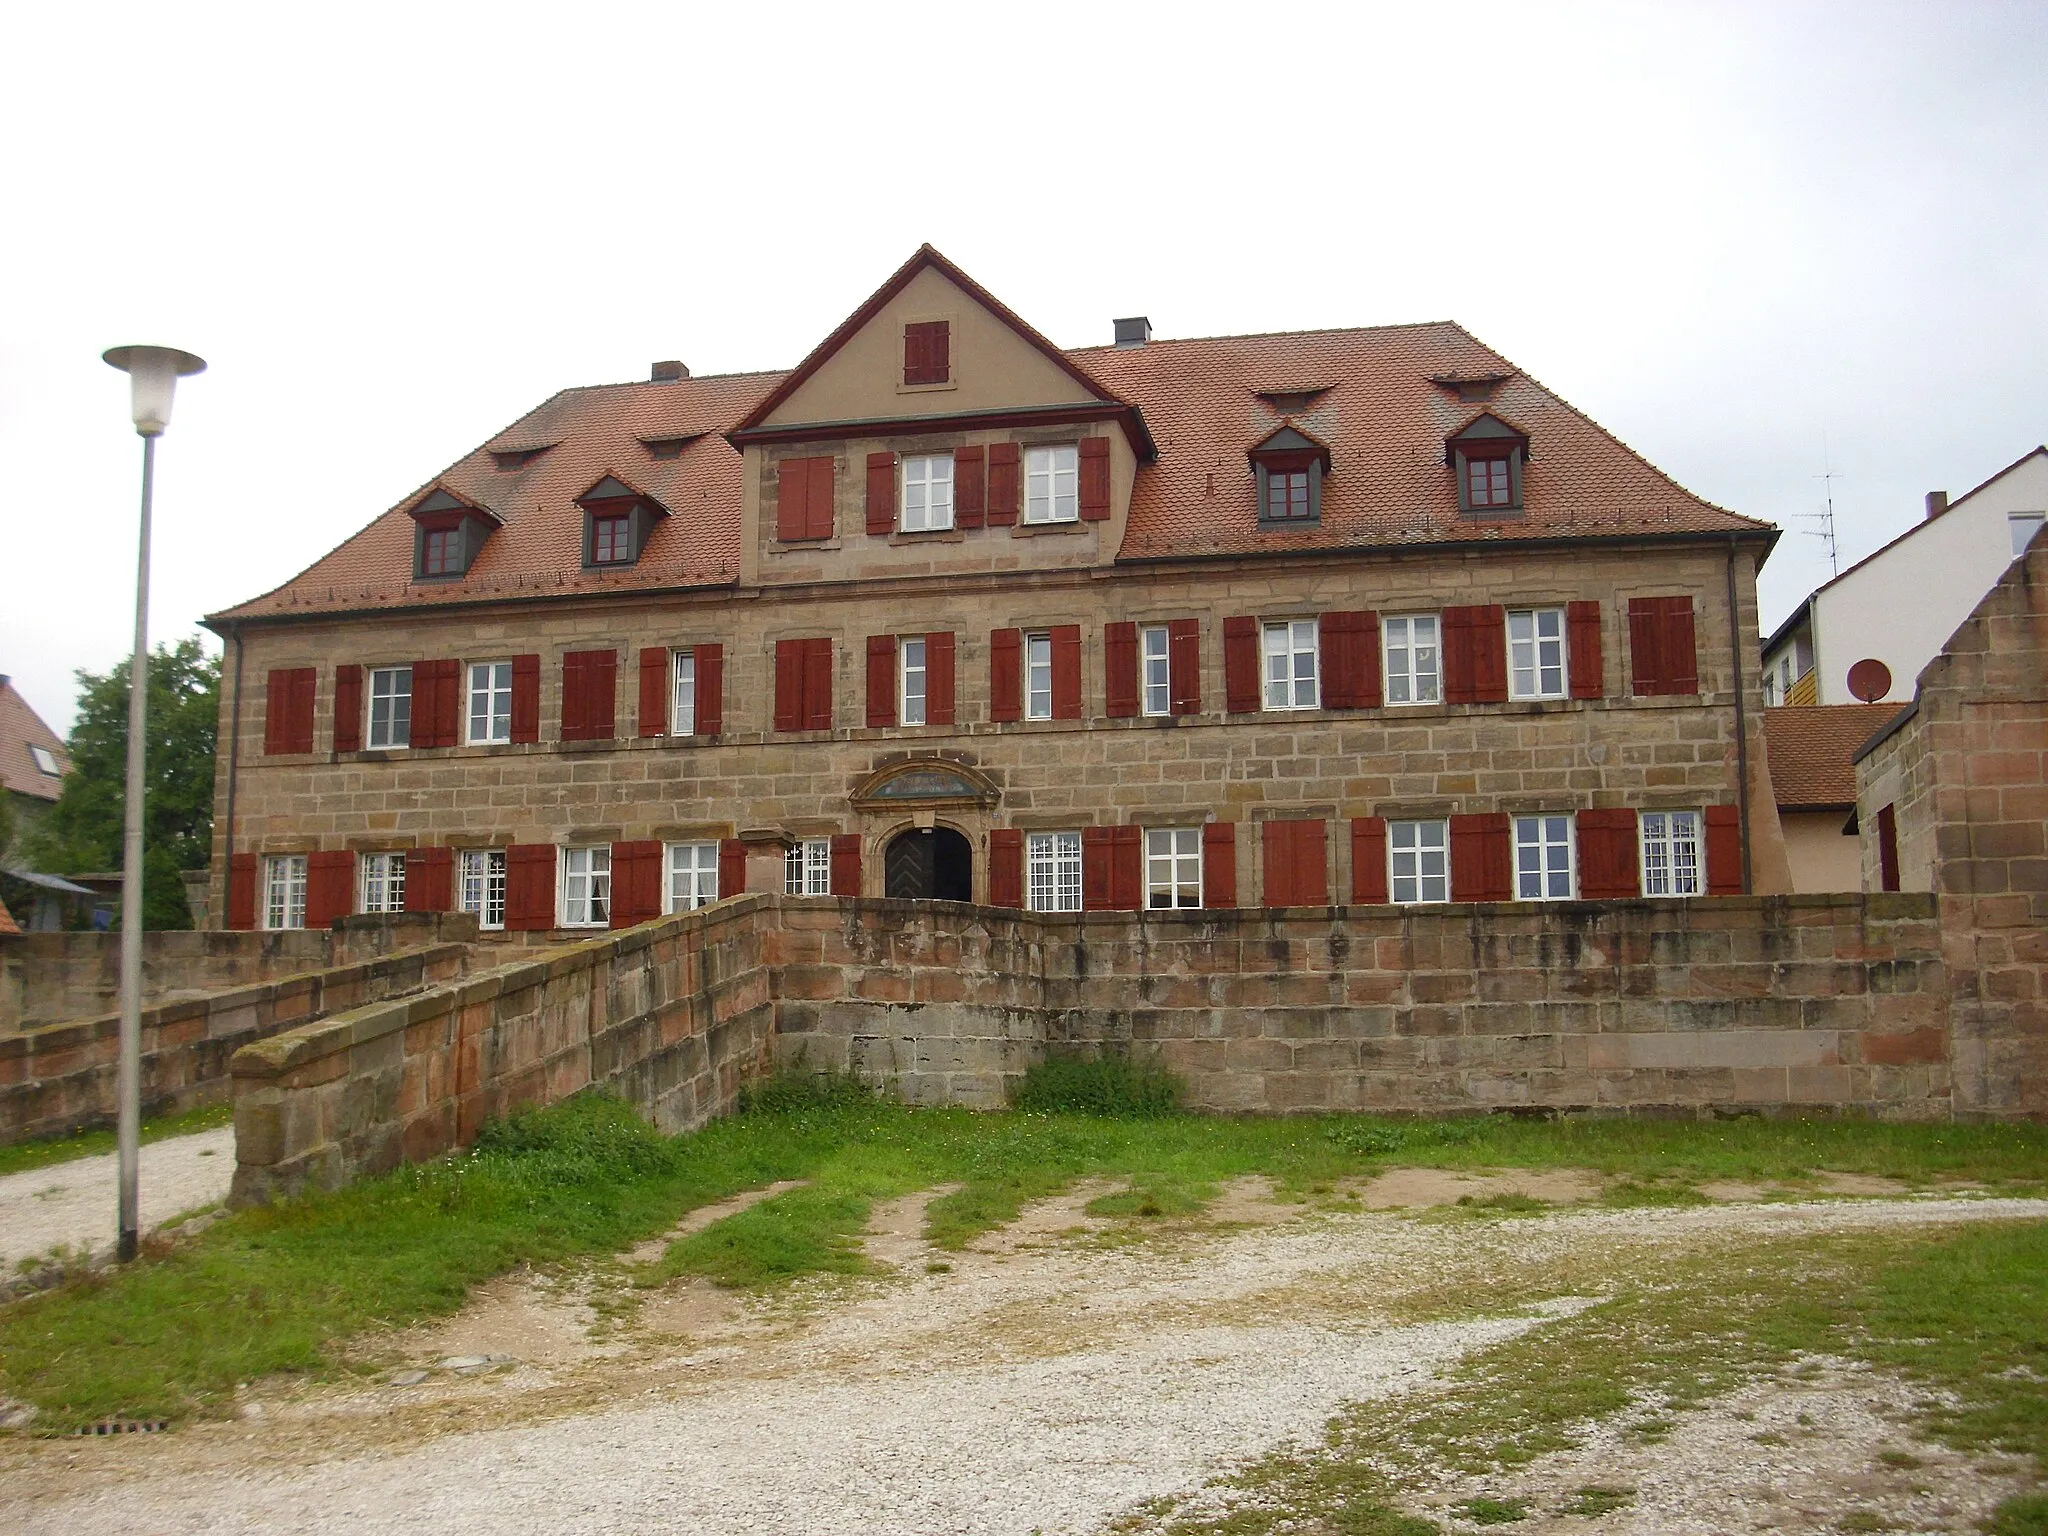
x,y
72,1205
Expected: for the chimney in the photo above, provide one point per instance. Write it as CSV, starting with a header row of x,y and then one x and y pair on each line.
x,y
669,372
1134,332
1937,503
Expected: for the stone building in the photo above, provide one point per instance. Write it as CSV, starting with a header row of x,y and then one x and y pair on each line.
x,y
1355,616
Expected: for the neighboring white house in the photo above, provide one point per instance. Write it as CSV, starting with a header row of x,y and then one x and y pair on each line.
x,y
1898,606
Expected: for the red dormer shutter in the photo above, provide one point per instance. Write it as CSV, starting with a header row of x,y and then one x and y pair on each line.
x,y
1120,670
1094,486
1582,650
1241,665
1351,660
654,690
1006,675
1004,477
938,677
710,688
430,880
881,680
970,487
348,709
881,493
526,699
1184,666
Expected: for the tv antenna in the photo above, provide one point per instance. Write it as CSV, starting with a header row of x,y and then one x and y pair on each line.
x,y
1826,516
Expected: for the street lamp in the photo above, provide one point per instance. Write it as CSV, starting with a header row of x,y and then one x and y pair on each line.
x,y
153,374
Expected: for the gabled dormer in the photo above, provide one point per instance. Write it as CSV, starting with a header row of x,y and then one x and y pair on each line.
x,y
617,520
1289,465
448,534
1487,455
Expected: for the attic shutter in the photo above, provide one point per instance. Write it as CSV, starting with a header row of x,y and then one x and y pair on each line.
x,y
526,698
789,685
530,887
881,680
430,880
288,710
1481,858
1582,650
636,883
1475,655
1066,672
654,690
1004,479
1097,889
1351,660
348,709
1120,669
242,890
1724,850
927,352
732,867
846,864
1609,865
970,487
1184,666
1005,868
710,661
938,677
1369,860
1219,864
818,684
1094,466
1005,675
1241,665
330,886
881,493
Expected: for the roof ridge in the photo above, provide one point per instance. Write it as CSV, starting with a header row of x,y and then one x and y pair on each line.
x,y
1328,330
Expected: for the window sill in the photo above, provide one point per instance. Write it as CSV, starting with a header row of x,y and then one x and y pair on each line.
x,y
948,535
942,387
1024,530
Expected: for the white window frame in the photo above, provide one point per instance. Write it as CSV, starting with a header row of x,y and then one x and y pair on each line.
x,y
1173,867
1673,850
1037,664
1287,685
480,886
380,883
284,890
490,683
1529,654
1052,484
1418,862
1549,837
690,876
682,714
912,681
927,493
388,736
1155,670
586,886
1052,871
1406,636
807,868
2030,521
46,760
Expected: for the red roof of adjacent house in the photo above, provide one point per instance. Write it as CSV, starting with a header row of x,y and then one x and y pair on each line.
x,y
7,923
1813,751
20,729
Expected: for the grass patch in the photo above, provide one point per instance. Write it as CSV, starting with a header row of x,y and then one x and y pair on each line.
x,y
1487,1511
24,1155
1597,1499
1117,1086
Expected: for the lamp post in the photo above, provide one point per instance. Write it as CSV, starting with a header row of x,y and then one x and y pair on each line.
x,y
153,374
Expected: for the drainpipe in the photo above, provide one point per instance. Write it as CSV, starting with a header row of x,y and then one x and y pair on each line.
x,y
234,757
1741,715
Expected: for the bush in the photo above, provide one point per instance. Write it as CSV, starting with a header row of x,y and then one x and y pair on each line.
x,y
1113,1086
795,1090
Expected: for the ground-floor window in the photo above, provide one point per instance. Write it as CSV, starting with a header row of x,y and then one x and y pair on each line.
x,y
692,875
284,891
381,882
1671,853
807,868
482,886
1052,869
587,886
1543,858
1173,867
1418,861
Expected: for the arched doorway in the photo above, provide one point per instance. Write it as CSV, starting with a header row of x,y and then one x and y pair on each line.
x,y
929,864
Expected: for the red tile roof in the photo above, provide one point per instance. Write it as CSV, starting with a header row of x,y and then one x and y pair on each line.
x,y
1812,750
7,924
20,729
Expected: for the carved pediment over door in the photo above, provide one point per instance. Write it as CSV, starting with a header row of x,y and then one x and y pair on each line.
x,y
925,781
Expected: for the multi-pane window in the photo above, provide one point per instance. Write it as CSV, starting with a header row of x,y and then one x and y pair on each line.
x,y
1158,670
1038,677
381,878
611,540
587,886
1543,858
911,676
480,888
284,891
1488,483
692,875
2024,526
1535,653
1671,853
1414,672
1173,867
807,868
928,493
683,715
1290,646
390,706
1419,861
1052,871
1286,495
1052,484
441,552
490,702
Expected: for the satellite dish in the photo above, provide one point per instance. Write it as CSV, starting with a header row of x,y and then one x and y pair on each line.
x,y
1870,679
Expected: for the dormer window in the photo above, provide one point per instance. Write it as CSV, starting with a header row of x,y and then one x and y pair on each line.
x,y
1289,468
1488,482
1487,455
611,540
441,551
928,352
518,458
617,521
448,534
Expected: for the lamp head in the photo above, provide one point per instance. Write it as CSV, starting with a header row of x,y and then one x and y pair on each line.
x,y
153,374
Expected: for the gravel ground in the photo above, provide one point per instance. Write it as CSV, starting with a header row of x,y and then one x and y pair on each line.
x,y
73,1205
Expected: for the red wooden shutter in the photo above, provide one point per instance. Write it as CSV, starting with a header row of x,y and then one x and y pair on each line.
x,y
927,349
1279,864
789,685
1681,658
288,710
1645,647
436,703
1369,860
526,698
430,880
1219,864
970,487
710,688
575,696
882,680
1482,858
1066,672
1097,888
1005,868
1609,864
881,493
846,864
348,709
732,867
330,886
792,499
1184,666
1241,665
938,677
1724,851
589,695
654,690
1455,625
1120,669
819,501
1126,868
1004,482
1351,660
242,890
818,684
1488,638
530,887
1295,861
1887,850
1582,650
1094,488
636,883
1006,675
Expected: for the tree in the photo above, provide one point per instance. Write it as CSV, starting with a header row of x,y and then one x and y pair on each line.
x,y
83,830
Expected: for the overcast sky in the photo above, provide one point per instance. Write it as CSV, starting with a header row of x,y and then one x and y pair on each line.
x,y
1752,240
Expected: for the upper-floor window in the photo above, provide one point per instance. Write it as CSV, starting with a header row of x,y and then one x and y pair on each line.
x,y
441,551
284,891
1414,669
1671,853
1155,657
611,540
1052,481
1419,861
1543,858
381,881
807,868
928,493
1536,653
390,707
1038,677
2024,525
45,761
587,886
928,352
692,876
683,711
1173,867
1291,664
480,888
490,702
1052,871
911,685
